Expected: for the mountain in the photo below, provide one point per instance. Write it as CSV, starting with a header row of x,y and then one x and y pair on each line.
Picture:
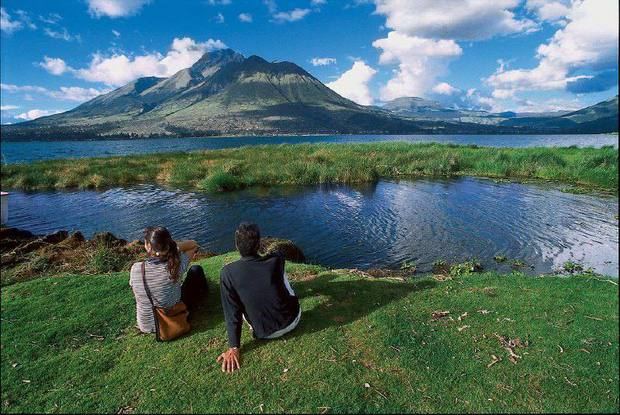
x,y
598,118
222,93
225,93
421,108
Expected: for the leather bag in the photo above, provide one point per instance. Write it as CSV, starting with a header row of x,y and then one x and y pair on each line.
x,y
170,323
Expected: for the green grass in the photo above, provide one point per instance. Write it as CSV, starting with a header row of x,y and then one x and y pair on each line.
x,y
363,345
230,169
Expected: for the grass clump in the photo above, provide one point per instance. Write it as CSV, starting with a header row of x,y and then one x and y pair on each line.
x,y
301,164
363,345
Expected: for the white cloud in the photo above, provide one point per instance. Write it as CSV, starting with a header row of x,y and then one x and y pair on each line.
x,y
116,33
219,18
444,88
550,10
64,93
10,24
291,15
52,18
420,61
36,113
445,19
353,84
115,8
55,66
7,23
318,2
589,41
245,17
119,69
219,2
61,34
322,61
8,107
77,94
424,34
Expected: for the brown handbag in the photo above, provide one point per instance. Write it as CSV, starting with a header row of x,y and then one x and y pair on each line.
x,y
170,323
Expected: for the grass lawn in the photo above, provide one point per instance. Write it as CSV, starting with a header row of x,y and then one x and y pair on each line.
x,y
230,169
363,345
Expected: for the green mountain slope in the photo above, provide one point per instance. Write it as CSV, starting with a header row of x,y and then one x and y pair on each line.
x,y
222,93
225,93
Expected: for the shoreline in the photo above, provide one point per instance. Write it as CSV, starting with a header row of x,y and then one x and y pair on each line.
x,y
304,164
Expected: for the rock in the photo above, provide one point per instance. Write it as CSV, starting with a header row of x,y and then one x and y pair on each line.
x,y
56,237
107,239
11,238
16,234
284,247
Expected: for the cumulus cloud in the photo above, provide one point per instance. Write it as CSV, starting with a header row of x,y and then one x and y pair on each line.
x,y
36,113
8,107
245,17
424,34
115,8
443,19
219,2
64,93
322,61
550,10
119,69
55,66
291,15
353,84
588,42
444,88
419,61
318,2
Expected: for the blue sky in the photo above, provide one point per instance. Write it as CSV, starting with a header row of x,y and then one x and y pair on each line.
x,y
528,55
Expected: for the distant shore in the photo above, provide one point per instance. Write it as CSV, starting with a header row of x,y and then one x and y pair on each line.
x,y
306,164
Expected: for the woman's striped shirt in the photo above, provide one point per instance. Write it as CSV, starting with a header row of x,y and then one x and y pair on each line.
x,y
165,291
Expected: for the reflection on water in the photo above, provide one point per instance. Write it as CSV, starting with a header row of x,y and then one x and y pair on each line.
x,y
28,151
373,225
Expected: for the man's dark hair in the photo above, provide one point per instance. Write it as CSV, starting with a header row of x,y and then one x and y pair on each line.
x,y
247,239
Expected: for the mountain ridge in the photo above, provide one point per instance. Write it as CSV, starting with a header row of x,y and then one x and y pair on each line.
x,y
225,93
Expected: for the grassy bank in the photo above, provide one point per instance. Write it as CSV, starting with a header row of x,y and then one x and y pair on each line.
x,y
364,345
230,169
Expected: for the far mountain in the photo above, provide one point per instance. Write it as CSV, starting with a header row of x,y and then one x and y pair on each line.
x,y
598,118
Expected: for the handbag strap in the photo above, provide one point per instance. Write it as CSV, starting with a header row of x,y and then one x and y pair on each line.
x,y
146,287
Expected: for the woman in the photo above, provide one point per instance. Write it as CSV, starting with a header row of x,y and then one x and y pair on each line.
x,y
165,271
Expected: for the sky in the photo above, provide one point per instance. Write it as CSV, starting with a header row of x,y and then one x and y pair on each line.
x,y
494,55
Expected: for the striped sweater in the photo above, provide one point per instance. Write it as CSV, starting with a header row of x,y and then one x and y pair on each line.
x,y
164,291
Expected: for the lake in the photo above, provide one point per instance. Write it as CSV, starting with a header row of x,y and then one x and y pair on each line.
x,y
28,151
372,225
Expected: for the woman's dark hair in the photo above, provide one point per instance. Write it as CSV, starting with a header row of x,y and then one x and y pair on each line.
x,y
164,247
247,239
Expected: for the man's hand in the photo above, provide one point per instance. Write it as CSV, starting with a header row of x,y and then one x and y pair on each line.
x,y
230,360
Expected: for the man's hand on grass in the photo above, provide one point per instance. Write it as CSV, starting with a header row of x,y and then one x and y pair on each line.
x,y
230,360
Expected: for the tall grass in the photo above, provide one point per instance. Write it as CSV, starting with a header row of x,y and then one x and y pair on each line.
x,y
230,169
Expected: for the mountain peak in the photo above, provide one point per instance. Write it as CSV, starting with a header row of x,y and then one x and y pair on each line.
x,y
211,61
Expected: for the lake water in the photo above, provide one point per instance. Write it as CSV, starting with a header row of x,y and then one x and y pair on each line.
x,y
28,151
373,225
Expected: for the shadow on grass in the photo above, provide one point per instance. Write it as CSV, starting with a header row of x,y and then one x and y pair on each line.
x,y
333,303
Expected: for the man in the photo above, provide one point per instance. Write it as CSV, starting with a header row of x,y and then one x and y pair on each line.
x,y
255,289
